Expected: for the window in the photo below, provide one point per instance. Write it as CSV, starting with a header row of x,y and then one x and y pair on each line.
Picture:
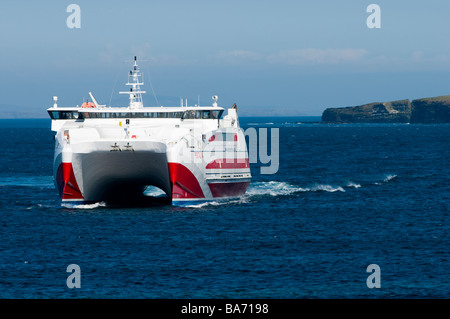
x,y
63,115
206,114
189,115
216,114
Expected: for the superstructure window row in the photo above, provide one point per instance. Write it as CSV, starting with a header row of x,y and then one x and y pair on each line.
x,y
191,114
109,115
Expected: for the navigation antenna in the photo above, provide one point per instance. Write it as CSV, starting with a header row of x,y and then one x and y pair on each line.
x,y
135,92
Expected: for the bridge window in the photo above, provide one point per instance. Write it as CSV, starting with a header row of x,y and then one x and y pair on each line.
x,y
63,115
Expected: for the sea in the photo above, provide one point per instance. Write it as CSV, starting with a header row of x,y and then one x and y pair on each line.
x,y
354,211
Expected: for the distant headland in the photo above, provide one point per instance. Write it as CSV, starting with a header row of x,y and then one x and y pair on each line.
x,y
428,110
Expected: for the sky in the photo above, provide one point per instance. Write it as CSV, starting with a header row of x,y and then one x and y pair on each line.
x,y
271,58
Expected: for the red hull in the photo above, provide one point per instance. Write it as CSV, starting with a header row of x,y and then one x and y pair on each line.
x,y
184,183
67,184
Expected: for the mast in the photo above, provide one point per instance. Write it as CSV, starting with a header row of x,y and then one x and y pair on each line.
x,y
135,92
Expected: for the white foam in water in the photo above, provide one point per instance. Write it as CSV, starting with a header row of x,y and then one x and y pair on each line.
x,y
327,188
272,188
389,178
355,185
282,188
386,179
218,203
84,206
199,205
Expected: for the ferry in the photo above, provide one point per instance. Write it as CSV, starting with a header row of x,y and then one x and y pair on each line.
x,y
191,154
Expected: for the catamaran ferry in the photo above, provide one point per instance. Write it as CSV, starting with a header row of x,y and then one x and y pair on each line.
x,y
113,154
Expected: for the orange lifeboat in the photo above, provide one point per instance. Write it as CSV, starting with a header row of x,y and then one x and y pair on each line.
x,y
88,104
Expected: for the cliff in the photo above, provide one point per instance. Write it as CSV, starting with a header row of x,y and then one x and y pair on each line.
x,y
428,110
431,110
386,112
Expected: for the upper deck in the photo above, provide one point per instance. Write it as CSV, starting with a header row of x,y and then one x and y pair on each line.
x,y
61,115
93,114
191,112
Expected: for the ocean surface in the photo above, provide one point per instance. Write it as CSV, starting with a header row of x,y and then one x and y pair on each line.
x,y
344,197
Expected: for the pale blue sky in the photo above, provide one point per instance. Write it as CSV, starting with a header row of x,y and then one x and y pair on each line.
x,y
269,57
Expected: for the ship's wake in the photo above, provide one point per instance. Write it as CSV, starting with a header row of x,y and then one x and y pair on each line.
x,y
276,188
257,190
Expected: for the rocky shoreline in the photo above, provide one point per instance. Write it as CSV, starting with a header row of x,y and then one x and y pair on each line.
x,y
428,110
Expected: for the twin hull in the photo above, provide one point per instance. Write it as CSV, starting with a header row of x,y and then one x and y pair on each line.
x,y
92,167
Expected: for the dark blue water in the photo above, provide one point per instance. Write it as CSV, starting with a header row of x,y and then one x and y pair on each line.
x,y
344,197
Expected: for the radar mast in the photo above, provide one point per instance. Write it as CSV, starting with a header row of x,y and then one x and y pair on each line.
x,y
135,92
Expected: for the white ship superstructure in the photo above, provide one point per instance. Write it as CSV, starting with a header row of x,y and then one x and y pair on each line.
x,y
113,154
